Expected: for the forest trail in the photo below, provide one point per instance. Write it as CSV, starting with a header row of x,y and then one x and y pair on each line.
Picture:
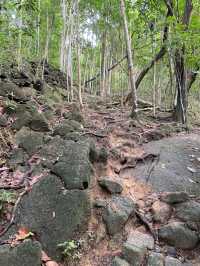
x,y
149,161
102,174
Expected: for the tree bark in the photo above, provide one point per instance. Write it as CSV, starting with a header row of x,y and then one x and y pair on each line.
x,y
161,52
129,60
181,104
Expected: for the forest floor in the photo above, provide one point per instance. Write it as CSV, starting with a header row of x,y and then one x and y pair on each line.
x,y
145,160
154,157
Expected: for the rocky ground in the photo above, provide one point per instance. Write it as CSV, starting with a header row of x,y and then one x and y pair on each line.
x,y
91,187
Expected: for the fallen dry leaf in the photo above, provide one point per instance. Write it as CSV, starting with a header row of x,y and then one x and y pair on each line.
x,y
23,233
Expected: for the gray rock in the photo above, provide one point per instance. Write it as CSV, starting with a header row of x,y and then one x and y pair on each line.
x,y
3,121
155,259
178,235
119,262
39,123
73,166
188,211
29,140
161,211
30,117
174,197
66,127
100,203
117,212
134,255
27,253
52,151
169,261
141,240
103,155
13,91
22,120
170,173
53,213
112,186
18,156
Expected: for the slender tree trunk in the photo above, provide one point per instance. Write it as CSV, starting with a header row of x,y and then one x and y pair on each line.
x,y
79,56
38,28
129,59
103,65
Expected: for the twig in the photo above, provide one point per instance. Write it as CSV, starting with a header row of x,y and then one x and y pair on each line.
x,y
94,134
12,187
153,165
13,213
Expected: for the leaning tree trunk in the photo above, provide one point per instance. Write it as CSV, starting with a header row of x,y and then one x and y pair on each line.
x,y
130,60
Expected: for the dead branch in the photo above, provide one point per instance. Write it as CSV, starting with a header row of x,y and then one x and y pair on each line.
x,y
13,213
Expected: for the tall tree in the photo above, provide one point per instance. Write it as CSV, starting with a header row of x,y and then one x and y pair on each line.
x,y
129,59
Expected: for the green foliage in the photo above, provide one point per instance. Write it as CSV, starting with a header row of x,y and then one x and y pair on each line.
x,y
70,249
6,197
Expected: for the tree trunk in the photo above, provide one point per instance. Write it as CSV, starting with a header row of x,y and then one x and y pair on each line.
x,y
130,60
103,65
181,95
180,111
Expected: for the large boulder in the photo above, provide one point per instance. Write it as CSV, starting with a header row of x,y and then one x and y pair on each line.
x,y
177,234
27,253
28,115
188,211
11,90
74,166
54,214
66,127
117,213
29,140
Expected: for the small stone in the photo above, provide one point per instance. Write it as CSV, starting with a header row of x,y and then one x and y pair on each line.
x,y
100,203
117,213
174,197
171,251
161,211
169,261
188,211
141,240
133,254
177,234
119,262
112,186
155,259
3,121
